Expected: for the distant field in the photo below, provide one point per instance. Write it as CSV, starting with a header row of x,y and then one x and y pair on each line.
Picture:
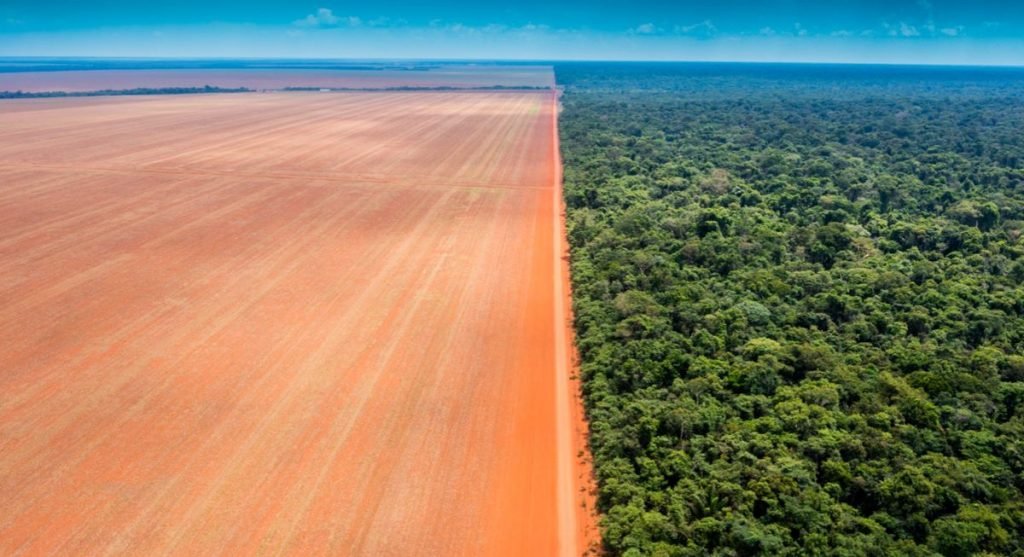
x,y
458,76
283,322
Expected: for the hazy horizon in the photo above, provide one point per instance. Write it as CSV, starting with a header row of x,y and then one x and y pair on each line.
x,y
920,32
518,61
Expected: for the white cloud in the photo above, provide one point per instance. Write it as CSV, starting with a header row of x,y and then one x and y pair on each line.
x,y
909,30
440,25
904,29
841,33
919,30
324,17
455,27
702,29
767,31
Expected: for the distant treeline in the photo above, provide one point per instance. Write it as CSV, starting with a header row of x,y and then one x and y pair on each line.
x,y
211,89
116,92
427,88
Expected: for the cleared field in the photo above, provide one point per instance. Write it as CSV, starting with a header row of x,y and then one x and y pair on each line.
x,y
447,76
301,323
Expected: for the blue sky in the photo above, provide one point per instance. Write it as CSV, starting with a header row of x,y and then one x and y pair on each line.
x,y
893,31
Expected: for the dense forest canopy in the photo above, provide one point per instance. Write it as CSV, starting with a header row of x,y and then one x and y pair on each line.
x,y
798,300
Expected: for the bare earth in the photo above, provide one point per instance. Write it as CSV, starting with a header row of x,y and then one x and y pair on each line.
x,y
448,76
284,323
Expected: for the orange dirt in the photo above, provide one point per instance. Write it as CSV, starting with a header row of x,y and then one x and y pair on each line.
x,y
284,323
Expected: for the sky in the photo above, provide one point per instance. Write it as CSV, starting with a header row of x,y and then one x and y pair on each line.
x,y
973,32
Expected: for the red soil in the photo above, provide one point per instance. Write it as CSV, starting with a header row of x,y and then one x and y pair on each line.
x,y
448,76
300,323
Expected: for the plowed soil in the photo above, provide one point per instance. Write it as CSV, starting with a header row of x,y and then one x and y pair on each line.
x,y
293,323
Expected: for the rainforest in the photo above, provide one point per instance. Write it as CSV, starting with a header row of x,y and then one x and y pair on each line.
x,y
798,299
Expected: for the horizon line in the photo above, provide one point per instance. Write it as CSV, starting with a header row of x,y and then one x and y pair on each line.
x,y
520,60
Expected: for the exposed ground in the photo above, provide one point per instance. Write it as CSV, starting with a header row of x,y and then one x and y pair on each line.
x,y
293,322
446,76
